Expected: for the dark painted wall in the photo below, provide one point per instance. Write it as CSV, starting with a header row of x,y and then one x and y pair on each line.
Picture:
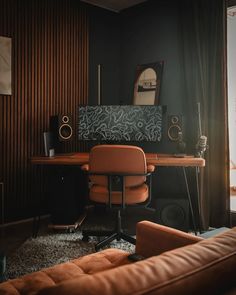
x,y
105,44
150,33
142,34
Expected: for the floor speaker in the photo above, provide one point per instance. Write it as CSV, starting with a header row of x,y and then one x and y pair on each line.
x,y
173,213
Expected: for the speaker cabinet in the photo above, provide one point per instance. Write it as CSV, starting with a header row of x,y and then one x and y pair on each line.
x,y
174,127
66,194
61,127
173,213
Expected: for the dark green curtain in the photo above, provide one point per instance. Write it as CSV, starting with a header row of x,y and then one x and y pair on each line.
x,y
202,33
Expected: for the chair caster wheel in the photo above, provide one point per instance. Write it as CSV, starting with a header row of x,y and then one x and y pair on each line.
x,y
71,230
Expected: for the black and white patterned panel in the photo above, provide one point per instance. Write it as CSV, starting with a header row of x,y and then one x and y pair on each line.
x,y
120,123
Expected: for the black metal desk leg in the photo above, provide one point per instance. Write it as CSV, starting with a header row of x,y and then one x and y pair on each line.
x,y
190,201
36,225
197,171
37,189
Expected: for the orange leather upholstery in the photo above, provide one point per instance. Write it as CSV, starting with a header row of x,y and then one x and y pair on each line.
x,y
120,159
168,239
117,175
197,266
133,195
150,168
77,268
116,159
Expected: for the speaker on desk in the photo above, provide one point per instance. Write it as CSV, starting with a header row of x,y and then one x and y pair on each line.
x,y
174,127
61,127
173,213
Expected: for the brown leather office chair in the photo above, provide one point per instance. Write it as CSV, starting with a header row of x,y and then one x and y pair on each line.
x,y
118,178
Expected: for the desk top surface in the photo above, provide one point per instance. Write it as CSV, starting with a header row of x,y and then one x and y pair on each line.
x,y
152,159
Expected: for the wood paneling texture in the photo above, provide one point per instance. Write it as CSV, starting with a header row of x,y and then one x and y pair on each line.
x,y
49,77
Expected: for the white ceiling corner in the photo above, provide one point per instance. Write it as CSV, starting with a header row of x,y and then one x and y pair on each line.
x,y
114,5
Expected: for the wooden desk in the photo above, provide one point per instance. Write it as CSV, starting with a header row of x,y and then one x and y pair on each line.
x,y
164,160
154,159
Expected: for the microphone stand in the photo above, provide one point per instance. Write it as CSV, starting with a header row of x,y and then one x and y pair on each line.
x,y
201,145
199,120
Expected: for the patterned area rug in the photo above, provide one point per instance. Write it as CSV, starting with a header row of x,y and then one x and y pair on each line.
x,y
51,249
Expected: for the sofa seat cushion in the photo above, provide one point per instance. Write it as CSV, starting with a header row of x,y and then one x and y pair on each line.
x,y
83,266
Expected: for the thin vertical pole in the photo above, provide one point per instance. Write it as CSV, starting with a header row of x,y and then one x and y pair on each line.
x,y
99,84
190,201
2,205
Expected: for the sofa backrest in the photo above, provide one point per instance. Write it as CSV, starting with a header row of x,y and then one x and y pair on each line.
x,y
207,267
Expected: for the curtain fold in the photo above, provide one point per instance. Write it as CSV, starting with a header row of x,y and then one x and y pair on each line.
x,y
202,33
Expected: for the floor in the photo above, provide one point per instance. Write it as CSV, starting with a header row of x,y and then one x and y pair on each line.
x,y
15,235
12,236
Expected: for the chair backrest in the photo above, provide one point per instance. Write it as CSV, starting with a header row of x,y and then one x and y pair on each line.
x,y
118,159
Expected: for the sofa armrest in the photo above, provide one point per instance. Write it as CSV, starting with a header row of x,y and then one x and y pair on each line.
x,y
154,239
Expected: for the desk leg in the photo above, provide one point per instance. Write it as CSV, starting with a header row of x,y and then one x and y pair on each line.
x,y
36,217
37,191
197,172
190,201
36,224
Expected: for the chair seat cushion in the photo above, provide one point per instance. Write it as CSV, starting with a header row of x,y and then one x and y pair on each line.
x,y
134,195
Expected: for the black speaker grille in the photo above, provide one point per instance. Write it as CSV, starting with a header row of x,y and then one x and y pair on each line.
x,y
173,213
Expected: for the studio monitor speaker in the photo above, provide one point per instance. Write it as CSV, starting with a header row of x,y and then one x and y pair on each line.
x,y
173,213
174,127
61,127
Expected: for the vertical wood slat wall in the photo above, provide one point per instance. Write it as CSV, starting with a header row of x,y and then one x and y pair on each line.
x,y
49,77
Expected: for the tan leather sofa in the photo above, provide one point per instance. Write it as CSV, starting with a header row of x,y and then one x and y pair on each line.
x,y
176,263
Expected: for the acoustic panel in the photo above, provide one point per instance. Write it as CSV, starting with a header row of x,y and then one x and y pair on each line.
x,y
49,76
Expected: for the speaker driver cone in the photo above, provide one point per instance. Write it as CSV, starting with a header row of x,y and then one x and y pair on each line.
x,y
65,119
173,215
173,132
65,131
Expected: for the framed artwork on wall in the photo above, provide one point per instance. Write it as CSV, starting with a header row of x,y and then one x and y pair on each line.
x,y
147,84
5,66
